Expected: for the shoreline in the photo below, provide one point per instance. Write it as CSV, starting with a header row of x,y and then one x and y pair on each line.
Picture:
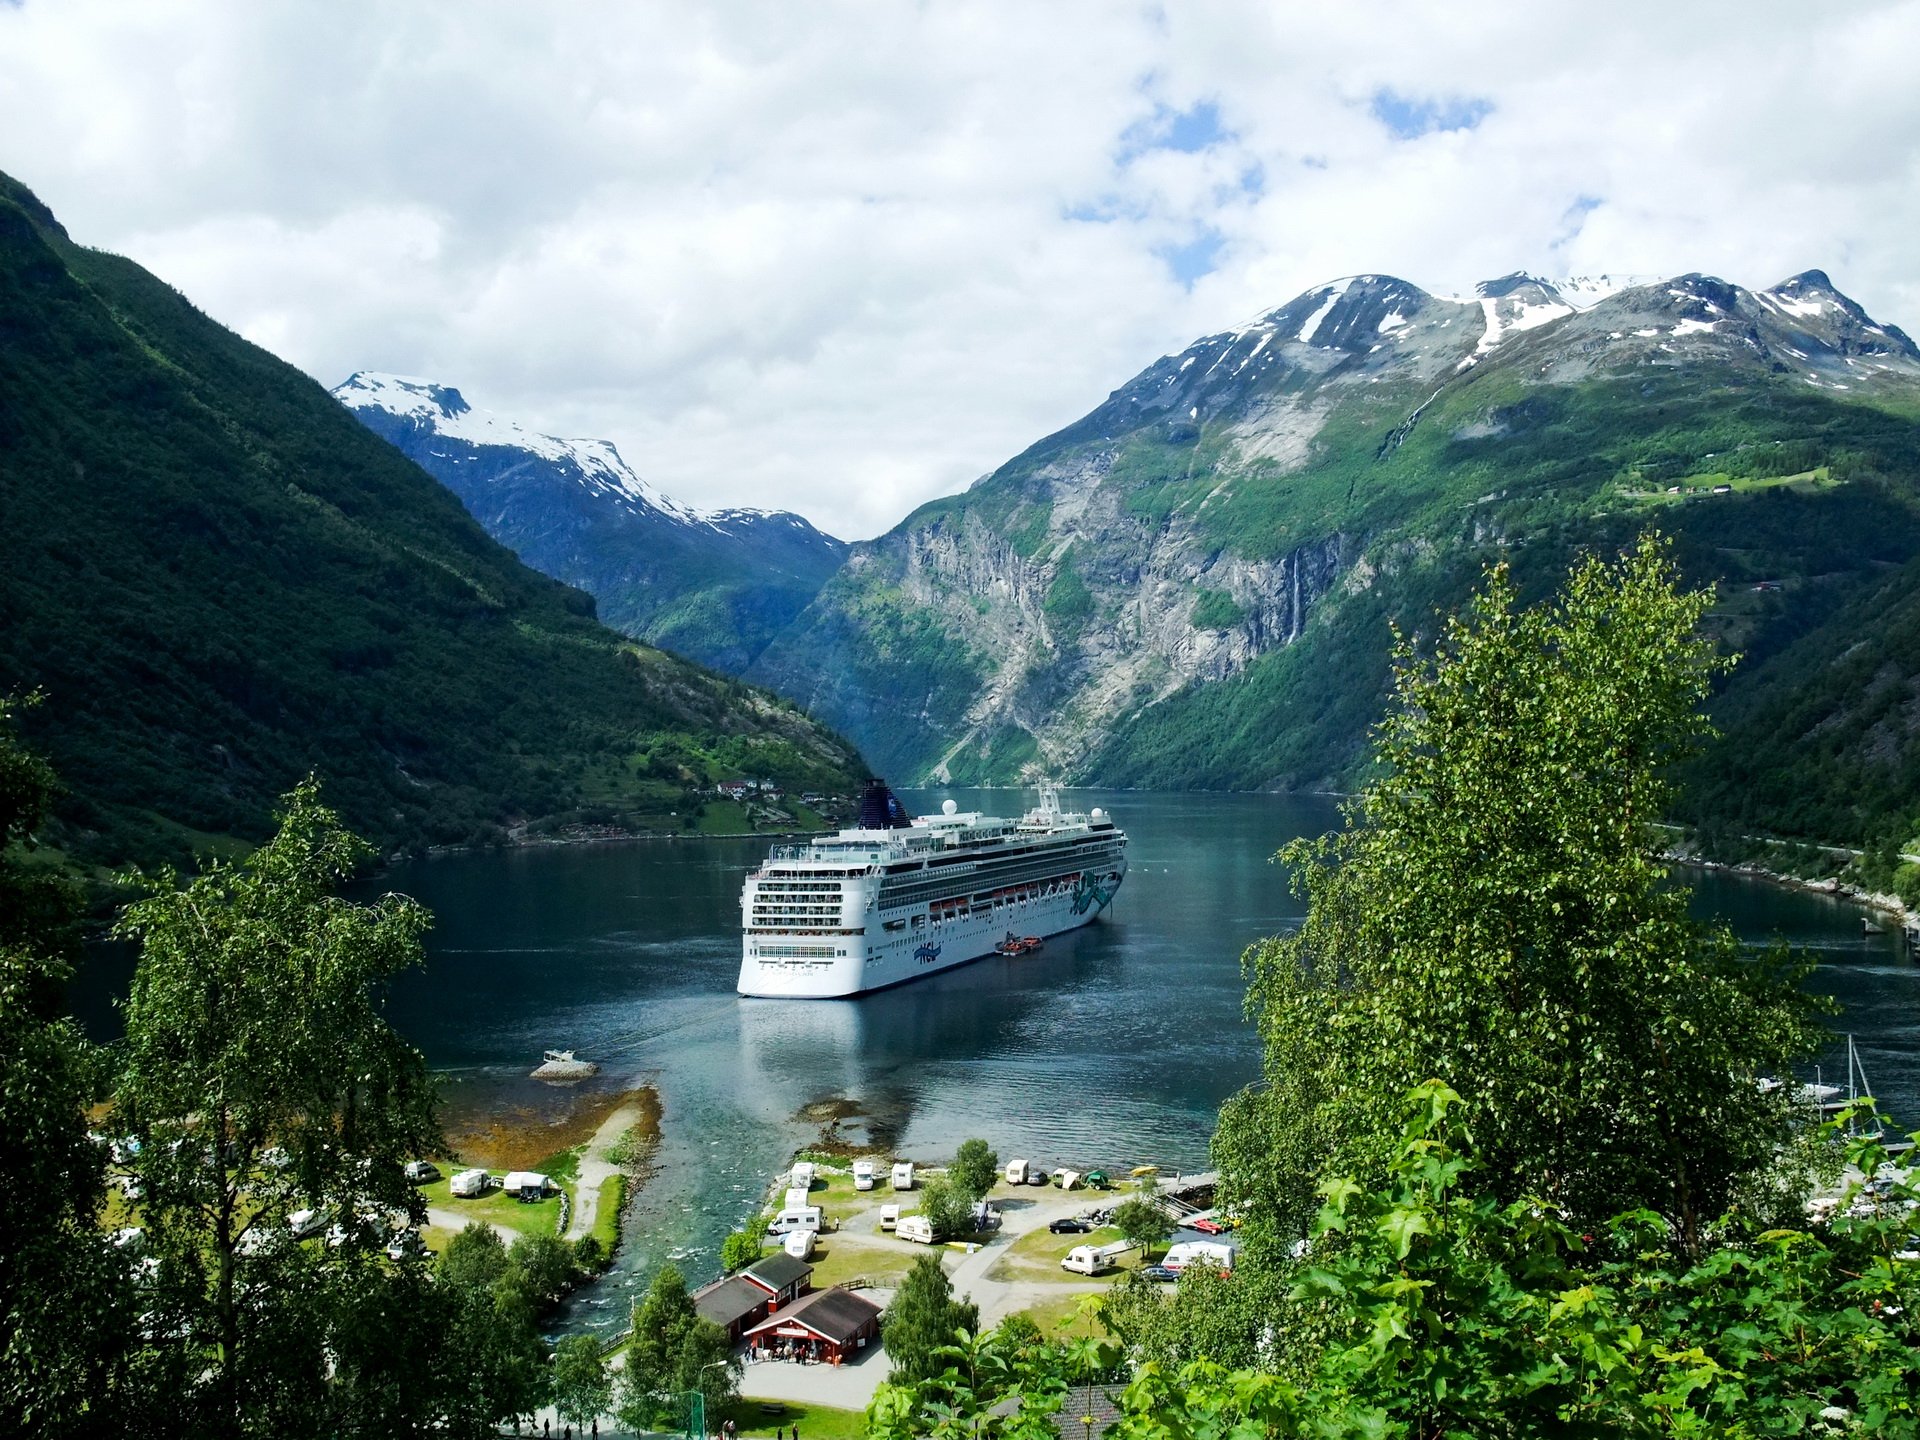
x,y
1904,916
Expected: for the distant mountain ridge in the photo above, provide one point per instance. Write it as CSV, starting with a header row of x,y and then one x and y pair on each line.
x,y
712,585
1191,585
220,582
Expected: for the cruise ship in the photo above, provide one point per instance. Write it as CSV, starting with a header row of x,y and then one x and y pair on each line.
x,y
895,899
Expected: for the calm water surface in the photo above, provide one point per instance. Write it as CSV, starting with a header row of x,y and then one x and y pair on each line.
x,y
1113,1046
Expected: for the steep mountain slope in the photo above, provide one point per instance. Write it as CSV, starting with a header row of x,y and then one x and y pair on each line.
x,y
220,581
1191,585
715,587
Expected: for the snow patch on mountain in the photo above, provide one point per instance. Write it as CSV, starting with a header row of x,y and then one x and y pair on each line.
x,y
445,411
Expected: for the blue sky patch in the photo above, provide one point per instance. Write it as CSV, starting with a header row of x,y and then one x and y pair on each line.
x,y
1198,256
1408,118
1187,131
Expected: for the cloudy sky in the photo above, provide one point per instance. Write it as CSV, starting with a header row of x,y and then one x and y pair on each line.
x,y
842,258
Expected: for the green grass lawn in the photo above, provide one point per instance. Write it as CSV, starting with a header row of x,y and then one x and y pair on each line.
x,y
835,1262
1695,486
497,1207
1064,1317
816,1422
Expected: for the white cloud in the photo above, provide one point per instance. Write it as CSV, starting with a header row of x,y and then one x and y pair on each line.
x,y
825,256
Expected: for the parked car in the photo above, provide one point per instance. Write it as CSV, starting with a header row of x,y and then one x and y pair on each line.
x,y
405,1243
1070,1225
1158,1272
422,1172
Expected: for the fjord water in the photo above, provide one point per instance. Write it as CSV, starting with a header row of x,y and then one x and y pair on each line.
x,y
1114,1045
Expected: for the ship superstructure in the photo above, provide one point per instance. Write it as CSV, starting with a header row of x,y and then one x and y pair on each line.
x,y
895,898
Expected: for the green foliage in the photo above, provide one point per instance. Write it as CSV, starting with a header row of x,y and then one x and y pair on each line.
x,y
923,1317
547,1266
158,474
581,1387
739,1250
672,1352
1495,915
974,1169
1216,610
1428,1307
1142,1221
259,1077
947,1207
1069,602
64,1312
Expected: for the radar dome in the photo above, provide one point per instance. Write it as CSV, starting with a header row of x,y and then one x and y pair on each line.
x,y
947,807
1098,813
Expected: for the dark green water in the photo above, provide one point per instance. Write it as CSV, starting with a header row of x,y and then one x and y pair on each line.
x,y
1114,1045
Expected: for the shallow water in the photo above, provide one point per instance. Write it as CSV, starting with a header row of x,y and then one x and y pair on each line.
x,y
1112,1046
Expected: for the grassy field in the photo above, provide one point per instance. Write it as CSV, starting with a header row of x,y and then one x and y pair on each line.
x,y
816,1422
606,1220
835,1262
497,1207
1693,487
1063,1316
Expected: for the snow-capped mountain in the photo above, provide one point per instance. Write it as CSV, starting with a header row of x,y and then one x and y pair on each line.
x,y
1120,603
713,585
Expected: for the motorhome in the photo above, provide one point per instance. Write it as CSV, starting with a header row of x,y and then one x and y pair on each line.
x,y
863,1174
1095,1259
796,1199
802,1176
889,1216
916,1228
798,1243
803,1217
468,1184
903,1175
1016,1172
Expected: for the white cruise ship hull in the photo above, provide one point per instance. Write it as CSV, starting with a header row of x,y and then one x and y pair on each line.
x,y
908,955
899,900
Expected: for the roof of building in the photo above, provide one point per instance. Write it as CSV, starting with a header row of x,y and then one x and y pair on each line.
x,y
777,1272
729,1301
836,1315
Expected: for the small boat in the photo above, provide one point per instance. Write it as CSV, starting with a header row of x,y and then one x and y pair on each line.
x,y
562,1057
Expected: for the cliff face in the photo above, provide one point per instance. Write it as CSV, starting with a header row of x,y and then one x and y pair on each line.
x,y
1192,584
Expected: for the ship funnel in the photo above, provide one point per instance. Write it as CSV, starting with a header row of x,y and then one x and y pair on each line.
x,y
880,810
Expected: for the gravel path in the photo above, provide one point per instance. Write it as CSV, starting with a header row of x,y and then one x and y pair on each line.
x,y
595,1168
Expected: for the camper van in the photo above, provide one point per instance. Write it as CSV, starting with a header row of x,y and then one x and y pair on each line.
x,y
468,1183
802,1176
863,1174
798,1244
916,1228
1212,1254
1095,1259
796,1199
903,1175
803,1217
889,1216
1016,1172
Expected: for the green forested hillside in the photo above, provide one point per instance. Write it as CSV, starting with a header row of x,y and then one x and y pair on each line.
x,y
220,581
